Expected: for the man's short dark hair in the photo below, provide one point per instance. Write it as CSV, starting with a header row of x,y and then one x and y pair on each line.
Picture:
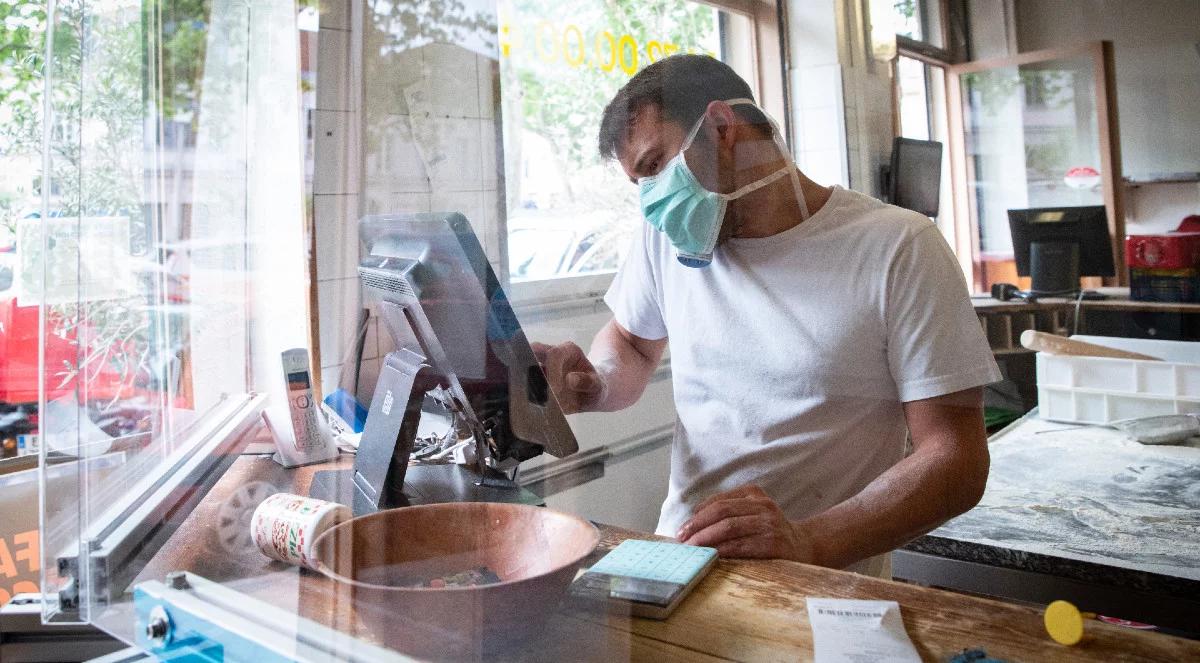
x,y
681,86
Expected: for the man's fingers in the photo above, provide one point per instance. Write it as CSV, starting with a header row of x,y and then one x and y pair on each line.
x,y
587,383
740,492
716,512
558,359
745,547
727,529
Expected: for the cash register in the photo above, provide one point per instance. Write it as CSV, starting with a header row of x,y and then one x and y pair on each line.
x,y
460,360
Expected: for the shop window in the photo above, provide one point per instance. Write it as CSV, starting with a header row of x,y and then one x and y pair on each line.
x,y
570,216
912,84
921,114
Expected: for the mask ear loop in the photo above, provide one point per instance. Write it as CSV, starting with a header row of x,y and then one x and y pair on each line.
x,y
777,138
793,171
691,137
755,186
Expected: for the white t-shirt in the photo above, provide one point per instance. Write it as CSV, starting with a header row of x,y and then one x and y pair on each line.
x,y
791,354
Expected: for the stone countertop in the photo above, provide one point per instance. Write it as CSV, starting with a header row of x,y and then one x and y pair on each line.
x,y
1084,503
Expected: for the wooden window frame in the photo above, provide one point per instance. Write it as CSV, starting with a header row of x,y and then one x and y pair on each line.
x,y
966,226
767,45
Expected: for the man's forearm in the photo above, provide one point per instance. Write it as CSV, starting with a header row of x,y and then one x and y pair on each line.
x,y
913,497
624,368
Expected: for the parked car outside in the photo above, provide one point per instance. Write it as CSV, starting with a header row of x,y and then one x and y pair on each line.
x,y
544,244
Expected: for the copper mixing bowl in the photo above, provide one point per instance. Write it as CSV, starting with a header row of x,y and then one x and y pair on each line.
x,y
378,558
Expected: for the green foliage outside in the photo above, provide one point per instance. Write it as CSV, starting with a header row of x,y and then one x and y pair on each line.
x,y
1049,149
561,62
563,103
102,106
22,26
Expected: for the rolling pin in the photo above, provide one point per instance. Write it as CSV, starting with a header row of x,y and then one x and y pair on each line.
x,y
1061,345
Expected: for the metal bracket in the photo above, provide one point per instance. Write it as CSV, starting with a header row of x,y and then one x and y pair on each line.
x,y
189,619
121,541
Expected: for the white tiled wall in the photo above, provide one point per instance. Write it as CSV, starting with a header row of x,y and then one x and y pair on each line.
x,y
337,238
336,189
333,69
427,143
818,112
842,110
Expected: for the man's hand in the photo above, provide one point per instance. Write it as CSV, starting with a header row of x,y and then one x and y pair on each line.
x,y
575,382
746,522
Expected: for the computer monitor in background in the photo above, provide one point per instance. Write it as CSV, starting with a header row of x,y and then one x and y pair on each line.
x,y
916,175
1058,245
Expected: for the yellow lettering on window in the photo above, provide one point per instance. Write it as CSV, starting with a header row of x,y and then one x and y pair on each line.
x,y
574,54
545,35
654,51
628,45
505,44
610,62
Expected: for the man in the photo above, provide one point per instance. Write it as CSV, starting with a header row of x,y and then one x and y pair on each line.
x,y
810,327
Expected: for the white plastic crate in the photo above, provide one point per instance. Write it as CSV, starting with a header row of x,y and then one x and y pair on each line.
x,y
1100,390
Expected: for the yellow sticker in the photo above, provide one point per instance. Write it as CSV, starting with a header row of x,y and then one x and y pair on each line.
x,y
571,45
1064,623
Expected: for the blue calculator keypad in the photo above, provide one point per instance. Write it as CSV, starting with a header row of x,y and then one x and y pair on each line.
x,y
655,560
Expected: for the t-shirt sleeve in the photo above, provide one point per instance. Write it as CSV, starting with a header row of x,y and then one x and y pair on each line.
x,y
634,296
936,345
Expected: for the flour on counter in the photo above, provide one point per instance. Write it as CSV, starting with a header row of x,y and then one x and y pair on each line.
x,y
1090,494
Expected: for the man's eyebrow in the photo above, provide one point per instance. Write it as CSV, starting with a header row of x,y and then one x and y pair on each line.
x,y
639,165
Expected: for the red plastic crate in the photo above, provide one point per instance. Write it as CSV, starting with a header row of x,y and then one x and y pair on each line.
x,y
1177,250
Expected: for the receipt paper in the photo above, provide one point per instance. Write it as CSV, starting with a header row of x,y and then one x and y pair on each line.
x,y
849,631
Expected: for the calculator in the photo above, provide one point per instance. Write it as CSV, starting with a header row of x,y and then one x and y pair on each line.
x,y
651,577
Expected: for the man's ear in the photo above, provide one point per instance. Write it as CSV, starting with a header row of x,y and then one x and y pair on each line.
x,y
720,124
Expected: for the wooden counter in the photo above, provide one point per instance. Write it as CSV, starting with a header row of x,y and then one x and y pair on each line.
x,y
744,610
1118,300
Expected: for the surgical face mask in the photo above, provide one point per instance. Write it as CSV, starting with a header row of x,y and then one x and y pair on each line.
x,y
676,204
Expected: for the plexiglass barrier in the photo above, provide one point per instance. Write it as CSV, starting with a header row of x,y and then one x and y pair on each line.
x,y
168,264
174,258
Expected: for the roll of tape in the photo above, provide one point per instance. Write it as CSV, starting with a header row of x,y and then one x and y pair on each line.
x,y
285,526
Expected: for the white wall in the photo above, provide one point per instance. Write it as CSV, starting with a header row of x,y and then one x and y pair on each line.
x,y
842,99
819,115
1157,68
1158,208
1155,46
990,24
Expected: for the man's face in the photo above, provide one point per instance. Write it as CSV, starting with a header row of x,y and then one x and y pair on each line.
x,y
653,141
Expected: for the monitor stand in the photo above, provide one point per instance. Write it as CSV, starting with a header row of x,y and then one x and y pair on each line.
x,y
383,478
